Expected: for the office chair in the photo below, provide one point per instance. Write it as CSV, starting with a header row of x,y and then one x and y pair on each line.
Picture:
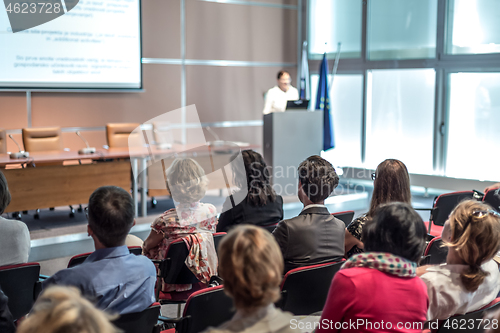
x,y
443,205
117,134
3,141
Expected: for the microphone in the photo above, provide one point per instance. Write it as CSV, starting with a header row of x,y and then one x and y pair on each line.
x,y
21,153
217,141
88,150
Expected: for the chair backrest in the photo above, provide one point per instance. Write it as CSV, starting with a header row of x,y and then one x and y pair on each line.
x,y
80,258
204,308
270,227
217,238
117,134
3,141
144,321
455,324
436,251
304,290
345,216
18,283
173,269
445,203
492,198
42,139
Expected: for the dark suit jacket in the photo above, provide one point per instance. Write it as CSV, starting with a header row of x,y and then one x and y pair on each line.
x,y
313,237
245,213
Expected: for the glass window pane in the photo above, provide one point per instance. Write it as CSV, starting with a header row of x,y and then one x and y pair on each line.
x,y
402,29
475,26
473,133
346,108
400,118
334,21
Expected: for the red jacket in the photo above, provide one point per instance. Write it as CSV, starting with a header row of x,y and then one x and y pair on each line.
x,y
367,300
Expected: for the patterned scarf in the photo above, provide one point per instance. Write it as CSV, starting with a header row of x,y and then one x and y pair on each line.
x,y
384,262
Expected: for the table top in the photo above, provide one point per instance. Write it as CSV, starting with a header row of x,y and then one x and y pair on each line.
x,y
113,153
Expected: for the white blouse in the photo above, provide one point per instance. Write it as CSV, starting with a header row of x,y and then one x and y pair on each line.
x,y
448,296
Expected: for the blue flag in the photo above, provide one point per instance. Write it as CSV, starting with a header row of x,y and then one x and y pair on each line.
x,y
323,103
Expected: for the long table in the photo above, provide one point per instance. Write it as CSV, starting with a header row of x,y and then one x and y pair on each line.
x,y
50,183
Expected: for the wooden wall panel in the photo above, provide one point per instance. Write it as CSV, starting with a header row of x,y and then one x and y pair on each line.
x,y
13,110
234,32
162,94
161,26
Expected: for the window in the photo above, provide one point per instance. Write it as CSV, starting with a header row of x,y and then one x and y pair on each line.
x,y
474,26
346,97
473,133
334,21
402,29
400,118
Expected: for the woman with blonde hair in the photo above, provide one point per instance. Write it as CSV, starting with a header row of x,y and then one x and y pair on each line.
x,y
191,220
251,264
470,278
63,309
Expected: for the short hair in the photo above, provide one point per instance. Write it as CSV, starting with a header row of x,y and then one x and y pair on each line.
x,y
63,309
392,183
318,178
475,239
396,228
4,193
251,264
111,215
281,73
186,180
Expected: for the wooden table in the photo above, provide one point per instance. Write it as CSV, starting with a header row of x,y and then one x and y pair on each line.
x,y
52,184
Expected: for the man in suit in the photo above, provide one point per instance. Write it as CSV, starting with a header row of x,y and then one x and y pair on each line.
x,y
111,276
314,236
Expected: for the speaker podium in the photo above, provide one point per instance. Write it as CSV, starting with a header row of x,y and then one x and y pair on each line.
x,y
289,138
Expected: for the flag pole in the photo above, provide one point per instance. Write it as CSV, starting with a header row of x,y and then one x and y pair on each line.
x,y
336,64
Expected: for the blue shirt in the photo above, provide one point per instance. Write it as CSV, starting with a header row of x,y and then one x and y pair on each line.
x,y
115,279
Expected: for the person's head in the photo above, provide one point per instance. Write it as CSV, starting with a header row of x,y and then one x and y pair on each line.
x,y
186,180
4,193
111,215
63,309
284,80
392,183
473,237
317,180
251,264
256,175
395,228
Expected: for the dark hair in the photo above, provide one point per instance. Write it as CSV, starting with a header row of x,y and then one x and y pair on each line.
x,y
257,175
392,183
111,215
4,193
396,228
318,178
281,73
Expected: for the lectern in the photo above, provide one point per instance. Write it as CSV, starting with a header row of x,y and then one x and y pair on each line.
x,y
289,138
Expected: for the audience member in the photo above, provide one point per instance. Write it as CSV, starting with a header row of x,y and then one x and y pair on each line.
x,y
6,319
391,184
314,235
61,309
261,206
377,290
14,235
470,278
251,265
111,276
191,220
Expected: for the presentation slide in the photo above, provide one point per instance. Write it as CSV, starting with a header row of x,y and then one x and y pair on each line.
x,y
89,44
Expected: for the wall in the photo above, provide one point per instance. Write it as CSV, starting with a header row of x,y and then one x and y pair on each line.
x,y
261,35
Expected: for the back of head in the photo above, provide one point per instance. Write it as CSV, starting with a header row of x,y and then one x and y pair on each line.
x,y
318,178
64,310
475,236
257,175
392,183
251,264
186,180
111,215
396,228
4,193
